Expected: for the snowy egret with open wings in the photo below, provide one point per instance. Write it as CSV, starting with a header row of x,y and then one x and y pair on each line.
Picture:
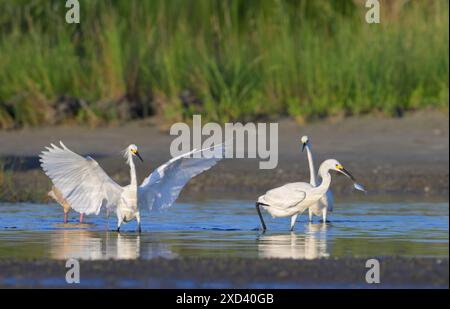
x,y
87,188
294,198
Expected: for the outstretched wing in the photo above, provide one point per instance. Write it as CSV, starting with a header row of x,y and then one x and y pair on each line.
x,y
162,187
82,182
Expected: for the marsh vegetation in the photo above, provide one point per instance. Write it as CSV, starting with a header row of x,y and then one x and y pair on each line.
x,y
227,60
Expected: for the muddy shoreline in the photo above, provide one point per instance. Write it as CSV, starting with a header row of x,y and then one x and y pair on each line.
x,y
394,157
395,272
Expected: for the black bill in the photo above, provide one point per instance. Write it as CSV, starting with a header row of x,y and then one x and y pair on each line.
x,y
139,156
348,174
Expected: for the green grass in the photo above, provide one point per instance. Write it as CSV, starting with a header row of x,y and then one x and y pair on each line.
x,y
237,60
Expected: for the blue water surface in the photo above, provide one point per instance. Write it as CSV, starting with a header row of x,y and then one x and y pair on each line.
x,y
224,228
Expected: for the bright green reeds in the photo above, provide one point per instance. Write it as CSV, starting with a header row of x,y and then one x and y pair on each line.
x,y
226,59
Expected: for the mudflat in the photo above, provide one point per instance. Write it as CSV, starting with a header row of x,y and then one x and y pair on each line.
x,y
395,272
389,156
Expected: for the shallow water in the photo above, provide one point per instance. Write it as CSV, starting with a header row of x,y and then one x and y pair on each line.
x,y
227,228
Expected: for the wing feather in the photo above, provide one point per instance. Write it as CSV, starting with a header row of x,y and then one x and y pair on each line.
x,y
82,182
163,186
285,197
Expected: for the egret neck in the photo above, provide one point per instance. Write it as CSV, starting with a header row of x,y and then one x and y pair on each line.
x,y
133,183
312,169
321,189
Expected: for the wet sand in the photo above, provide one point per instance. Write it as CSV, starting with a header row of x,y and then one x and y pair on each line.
x,y
228,273
391,156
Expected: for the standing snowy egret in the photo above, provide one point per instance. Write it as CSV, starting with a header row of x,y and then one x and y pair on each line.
x,y
294,198
325,204
87,188
58,197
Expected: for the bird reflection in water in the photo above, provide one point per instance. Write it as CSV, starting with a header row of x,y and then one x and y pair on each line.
x,y
310,245
122,247
91,245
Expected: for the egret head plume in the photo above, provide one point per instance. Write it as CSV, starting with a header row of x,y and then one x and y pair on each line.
x,y
131,151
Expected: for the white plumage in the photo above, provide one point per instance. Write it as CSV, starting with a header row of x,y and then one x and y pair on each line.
x,y
83,183
162,187
87,188
286,200
293,199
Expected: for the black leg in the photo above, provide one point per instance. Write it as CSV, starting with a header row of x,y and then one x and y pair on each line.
x,y
260,216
